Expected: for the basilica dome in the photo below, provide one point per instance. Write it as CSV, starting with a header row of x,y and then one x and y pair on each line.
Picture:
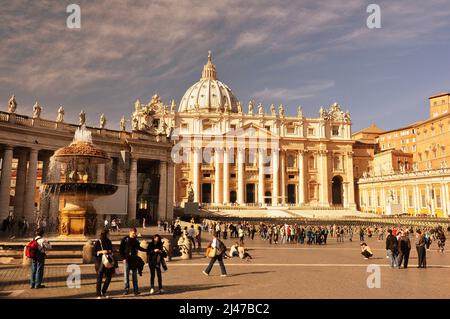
x,y
208,94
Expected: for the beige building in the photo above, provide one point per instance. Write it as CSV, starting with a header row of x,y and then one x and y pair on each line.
x,y
230,156
140,165
411,169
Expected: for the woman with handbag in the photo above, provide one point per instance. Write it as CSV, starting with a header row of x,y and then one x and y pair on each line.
x,y
104,263
216,252
155,259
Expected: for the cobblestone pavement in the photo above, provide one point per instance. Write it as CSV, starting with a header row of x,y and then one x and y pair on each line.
x,y
336,270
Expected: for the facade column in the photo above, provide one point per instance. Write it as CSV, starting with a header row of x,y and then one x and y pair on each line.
x,y
54,202
44,201
240,175
323,176
196,183
163,195
345,194
301,178
101,173
30,188
275,176
443,200
447,200
218,180
430,199
261,188
132,189
283,177
226,176
21,178
121,177
5,184
402,200
170,202
417,199
351,181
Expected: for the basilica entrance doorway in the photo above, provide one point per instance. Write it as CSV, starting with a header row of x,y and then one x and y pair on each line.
x,y
206,193
250,193
336,187
291,194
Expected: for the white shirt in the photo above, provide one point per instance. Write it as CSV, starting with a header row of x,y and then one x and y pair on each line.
x,y
43,244
191,232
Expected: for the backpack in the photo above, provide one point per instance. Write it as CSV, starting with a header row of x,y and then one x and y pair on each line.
x,y
32,249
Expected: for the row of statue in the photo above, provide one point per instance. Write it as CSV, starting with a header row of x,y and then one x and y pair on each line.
x,y
37,110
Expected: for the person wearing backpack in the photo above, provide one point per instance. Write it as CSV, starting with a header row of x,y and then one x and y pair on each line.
x,y
104,263
36,251
217,251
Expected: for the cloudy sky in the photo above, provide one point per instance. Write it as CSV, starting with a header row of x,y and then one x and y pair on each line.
x,y
292,52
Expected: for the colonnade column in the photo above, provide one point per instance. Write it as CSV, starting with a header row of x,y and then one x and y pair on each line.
x,y
196,182
275,176
121,178
323,175
283,177
30,188
417,199
261,167
101,173
240,174
44,201
345,194
301,177
226,176
132,189
350,179
5,182
170,190
447,200
218,176
21,178
443,200
162,198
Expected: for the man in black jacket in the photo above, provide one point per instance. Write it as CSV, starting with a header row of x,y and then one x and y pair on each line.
x,y
392,249
404,249
129,247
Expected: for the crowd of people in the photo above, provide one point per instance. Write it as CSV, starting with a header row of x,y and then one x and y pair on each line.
x,y
398,244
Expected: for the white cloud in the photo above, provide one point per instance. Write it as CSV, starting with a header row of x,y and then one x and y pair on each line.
x,y
309,89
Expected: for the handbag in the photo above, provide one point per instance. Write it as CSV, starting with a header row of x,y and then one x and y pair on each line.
x,y
211,252
107,259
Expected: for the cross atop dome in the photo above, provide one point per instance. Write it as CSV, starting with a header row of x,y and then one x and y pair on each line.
x,y
209,69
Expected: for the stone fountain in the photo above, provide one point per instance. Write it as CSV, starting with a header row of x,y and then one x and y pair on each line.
x,y
78,217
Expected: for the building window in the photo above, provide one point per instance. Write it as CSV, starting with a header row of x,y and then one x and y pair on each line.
x,y
335,130
337,163
291,129
291,161
312,162
311,131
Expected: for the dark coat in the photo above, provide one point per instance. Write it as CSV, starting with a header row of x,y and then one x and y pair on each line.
x,y
391,243
128,250
404,244
107,245
154,258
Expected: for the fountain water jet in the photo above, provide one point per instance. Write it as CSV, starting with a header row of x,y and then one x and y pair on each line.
x,y
78,217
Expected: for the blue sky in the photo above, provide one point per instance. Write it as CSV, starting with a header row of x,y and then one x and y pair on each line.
x,y
310,53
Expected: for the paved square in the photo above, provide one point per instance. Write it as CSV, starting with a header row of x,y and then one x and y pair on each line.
x,y
336,270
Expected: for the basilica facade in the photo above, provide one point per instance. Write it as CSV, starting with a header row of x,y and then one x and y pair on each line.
x,y
228,154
